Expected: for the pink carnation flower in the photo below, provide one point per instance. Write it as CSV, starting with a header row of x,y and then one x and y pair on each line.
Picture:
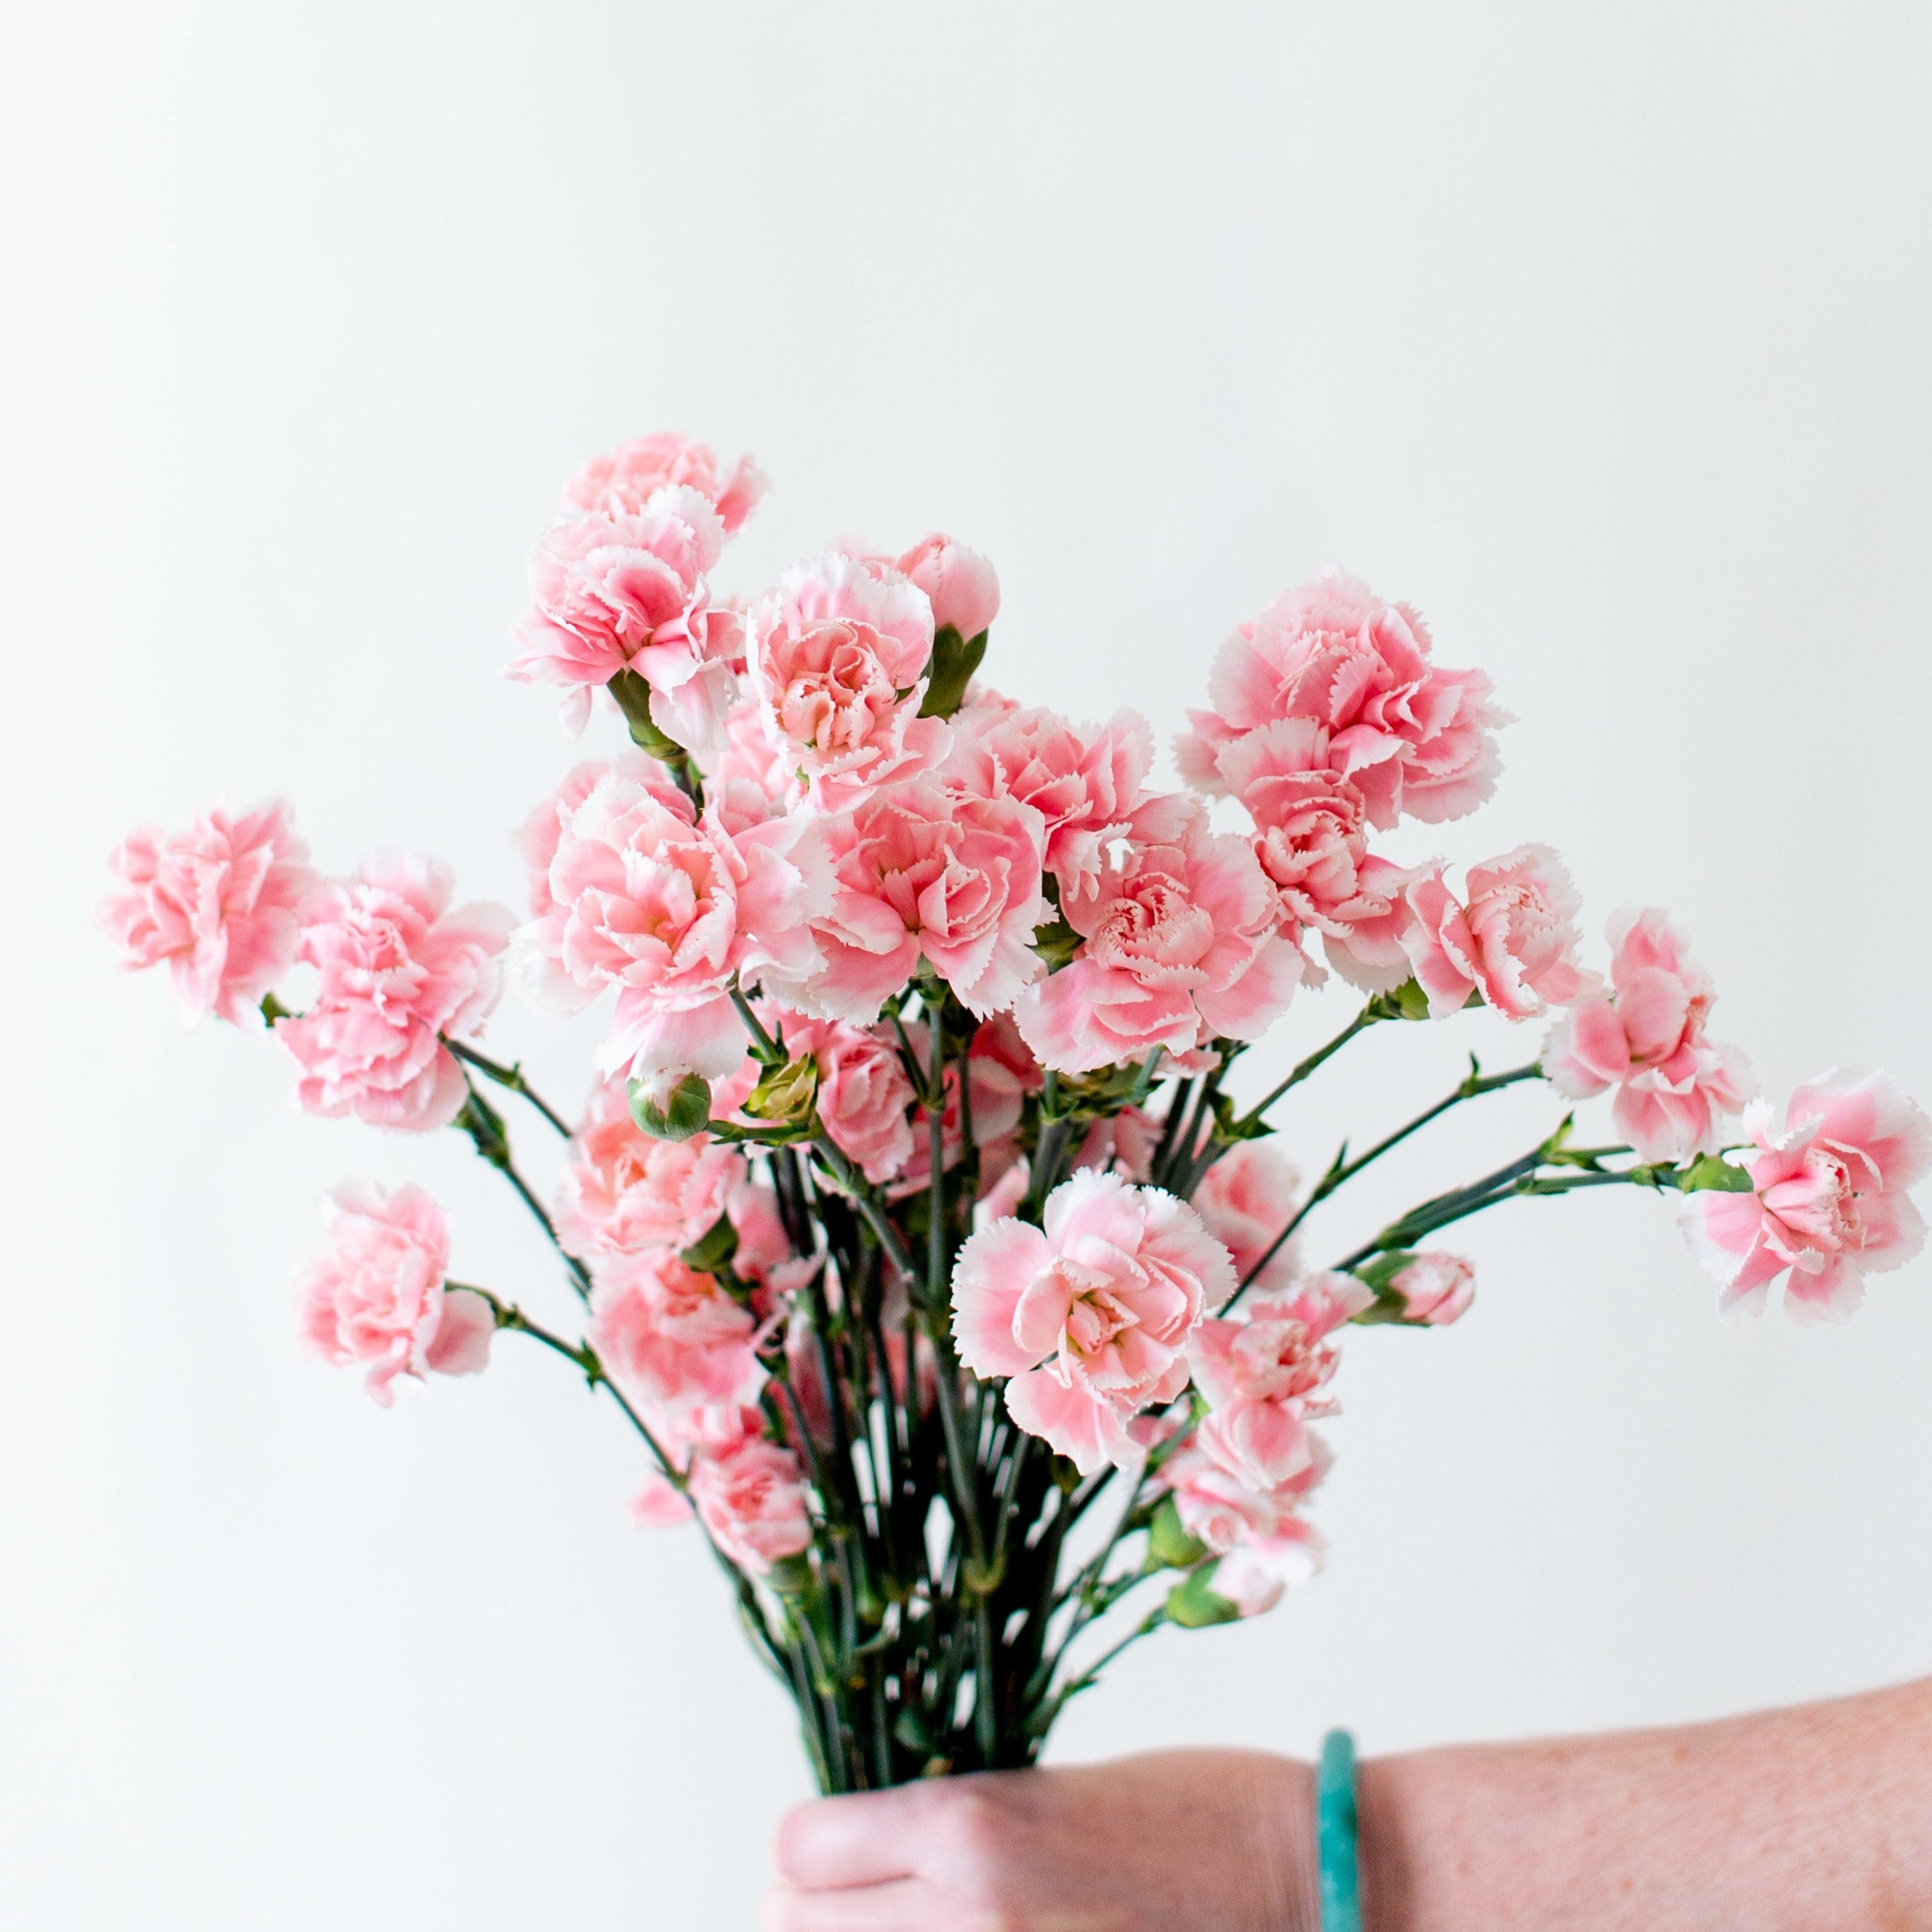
x,y
1253,1576
397,971
753,1502
1263,1542
838,658
1264,1378
667,911
918,873
629,592
961,584
1090,1315
1515,941
1828,1201
1435,1288
1412,736
1647,1039
1084,782
541,833
1311,836
221,902
1181,947
376,1294
672,1335
623,1190
748,781
863,1092
620,484
1246,1199
1124,1143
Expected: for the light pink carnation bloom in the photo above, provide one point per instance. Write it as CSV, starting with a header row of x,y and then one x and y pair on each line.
x,y
961,585
221,902
863,1093
1828,1201
398,970
1253,1576
919,873
838,658
623,1190
748,781
1436,1288
752,1501
1090,1315
1412,736
541,833
1647,1039
375,1294
620,484
1515,941
1181,947
629,593
1263,1378
1124,1143
666,910
671,1335
1246,1198
1084,782
1263,1542
1311,837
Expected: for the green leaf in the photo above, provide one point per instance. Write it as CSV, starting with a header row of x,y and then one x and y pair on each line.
x,y
1710,1174
1193,1605
1169,1546
1379,1273
790,1576
954,661
714,1250
1056,944
686,1112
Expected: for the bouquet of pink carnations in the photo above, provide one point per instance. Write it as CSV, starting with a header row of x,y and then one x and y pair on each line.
x,y
912,1223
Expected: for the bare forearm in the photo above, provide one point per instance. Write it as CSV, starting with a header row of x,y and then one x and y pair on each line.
x,y
1816,1820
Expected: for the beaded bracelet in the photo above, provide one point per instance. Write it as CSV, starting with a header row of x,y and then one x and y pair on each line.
x,y
1335,1835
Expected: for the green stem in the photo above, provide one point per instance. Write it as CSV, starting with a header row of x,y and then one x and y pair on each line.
x,y
1379,1008
484,1127
764,1049
1342,1170
509,1077
935,1115
848,1181
1520,1180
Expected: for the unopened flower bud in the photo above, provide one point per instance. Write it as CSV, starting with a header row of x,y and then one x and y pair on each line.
x,y
671,1106
785,1095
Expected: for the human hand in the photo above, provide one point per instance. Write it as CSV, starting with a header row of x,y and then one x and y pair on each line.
x,y
1215,1840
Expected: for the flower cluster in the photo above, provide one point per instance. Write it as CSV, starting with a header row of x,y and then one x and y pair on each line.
x,y
912,1206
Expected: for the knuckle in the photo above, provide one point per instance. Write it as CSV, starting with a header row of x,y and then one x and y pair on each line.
x,y
976,1823
788,1843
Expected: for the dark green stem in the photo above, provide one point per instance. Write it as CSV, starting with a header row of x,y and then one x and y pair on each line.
x,y
1342,1170
509,1077
1382,1007
484,1127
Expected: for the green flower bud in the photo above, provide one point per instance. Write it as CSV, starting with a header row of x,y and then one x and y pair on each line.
x,y
784,1096
671,1110
1169,1546
1193,1604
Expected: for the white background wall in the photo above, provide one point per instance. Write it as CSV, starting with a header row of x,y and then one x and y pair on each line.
x,y
1603,336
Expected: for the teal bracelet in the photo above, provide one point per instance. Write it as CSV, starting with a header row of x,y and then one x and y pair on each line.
x,y
1335,1830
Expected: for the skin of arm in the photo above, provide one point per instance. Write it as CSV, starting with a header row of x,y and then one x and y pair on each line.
x,y
1813,1820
